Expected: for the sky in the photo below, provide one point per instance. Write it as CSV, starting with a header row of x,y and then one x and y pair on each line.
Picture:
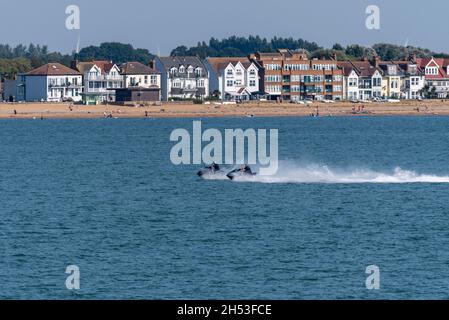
x,y
160,26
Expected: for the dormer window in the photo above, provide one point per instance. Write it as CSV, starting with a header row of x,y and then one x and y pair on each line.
x,y
431,70
173,71
198,72
190,69
392,70
182,69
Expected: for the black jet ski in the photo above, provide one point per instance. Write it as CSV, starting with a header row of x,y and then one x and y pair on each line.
x,y
242,172
210,170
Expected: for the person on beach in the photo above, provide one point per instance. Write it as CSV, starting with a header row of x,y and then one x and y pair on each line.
x,y
15,112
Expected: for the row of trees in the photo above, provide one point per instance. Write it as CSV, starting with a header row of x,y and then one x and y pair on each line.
x,y
23,58
242,46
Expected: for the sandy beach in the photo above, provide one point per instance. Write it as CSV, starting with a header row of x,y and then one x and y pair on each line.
x,y
257,109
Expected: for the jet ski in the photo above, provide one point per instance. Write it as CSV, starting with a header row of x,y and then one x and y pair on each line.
x,y
211,170
242,172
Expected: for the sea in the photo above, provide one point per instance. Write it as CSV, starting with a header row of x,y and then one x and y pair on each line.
x,y
102,195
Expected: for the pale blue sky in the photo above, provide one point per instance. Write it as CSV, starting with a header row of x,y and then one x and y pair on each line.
x,y
166,24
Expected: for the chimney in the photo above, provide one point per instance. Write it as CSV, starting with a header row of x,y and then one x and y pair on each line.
x,y
74,64
376,61
334,56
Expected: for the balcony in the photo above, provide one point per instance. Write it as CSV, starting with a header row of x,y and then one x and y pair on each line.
x,y
64,85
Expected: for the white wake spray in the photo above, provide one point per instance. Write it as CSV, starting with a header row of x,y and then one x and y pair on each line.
x,y
314,173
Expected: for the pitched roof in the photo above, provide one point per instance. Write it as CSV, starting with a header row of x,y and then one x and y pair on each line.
x,y
105,66
170,62
441,63
136,68
362,68
219,64
53,69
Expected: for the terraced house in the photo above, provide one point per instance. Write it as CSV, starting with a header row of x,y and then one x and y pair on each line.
x,y
401,79
362,80
291,75
235,79
183,77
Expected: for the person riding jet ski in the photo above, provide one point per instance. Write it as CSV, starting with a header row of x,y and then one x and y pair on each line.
x,y
212,169
243,171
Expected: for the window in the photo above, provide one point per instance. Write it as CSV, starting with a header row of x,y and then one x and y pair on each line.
x,y
431,70
337,78
146,80
190,69
229,83
238,82
273,67
229,72
252,72
352,82
377,82
273,78
173,71
182,69
337,88
252,83
198,72
238,72
177,84
200,83
153,80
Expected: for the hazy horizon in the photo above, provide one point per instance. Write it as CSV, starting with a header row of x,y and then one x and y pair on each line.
x,y
161,27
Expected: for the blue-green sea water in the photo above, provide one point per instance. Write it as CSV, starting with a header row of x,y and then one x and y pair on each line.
x,y
103,194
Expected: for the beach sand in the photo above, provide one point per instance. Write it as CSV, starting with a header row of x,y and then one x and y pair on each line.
x,y
257,109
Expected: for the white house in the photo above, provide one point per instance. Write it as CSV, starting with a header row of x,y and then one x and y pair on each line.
x,y
233,78
100,79
183,77
362,81
436,71
52,82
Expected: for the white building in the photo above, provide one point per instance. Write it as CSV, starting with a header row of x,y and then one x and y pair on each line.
x,y
52,82
183,77
233,78
100,79
362,81
436,71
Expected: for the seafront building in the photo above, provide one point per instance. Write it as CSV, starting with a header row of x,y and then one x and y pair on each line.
x,y
436,71
52,82
284,75
182,78
100,80
234,78
362,80
291,76
141,84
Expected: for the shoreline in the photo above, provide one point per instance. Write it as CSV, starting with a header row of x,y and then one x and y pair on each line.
x,y
260,109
